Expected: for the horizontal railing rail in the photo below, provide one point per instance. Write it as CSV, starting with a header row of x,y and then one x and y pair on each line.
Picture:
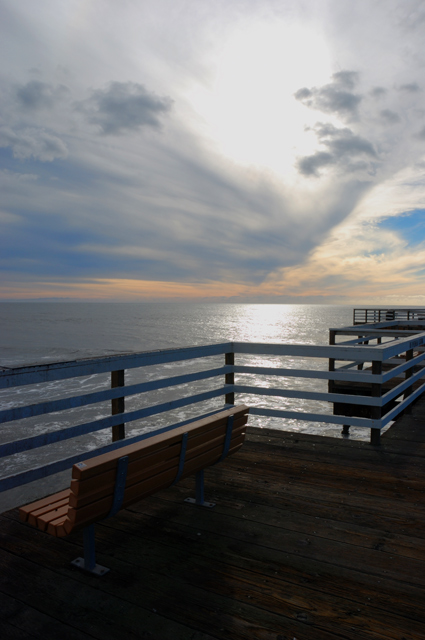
x,y
364,316
356,376
17,413
19,376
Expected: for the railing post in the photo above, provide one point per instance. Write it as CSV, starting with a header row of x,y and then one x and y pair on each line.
x,y
408,374
332,335
331,366
229,378
376,392
117,405
360,366
331,384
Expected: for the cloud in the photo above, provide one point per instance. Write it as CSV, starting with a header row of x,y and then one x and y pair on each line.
x,y
390,117
124,107
336,97
364,262
32,142
310,165
37,95
342,147
99,204
411,87
378,92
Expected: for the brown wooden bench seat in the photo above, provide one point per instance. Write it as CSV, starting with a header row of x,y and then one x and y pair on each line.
x,y
104,484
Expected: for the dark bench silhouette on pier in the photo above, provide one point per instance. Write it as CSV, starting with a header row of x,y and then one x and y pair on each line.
x,y
104,484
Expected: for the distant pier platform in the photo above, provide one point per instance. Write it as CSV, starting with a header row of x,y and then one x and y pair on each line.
x,y
380,314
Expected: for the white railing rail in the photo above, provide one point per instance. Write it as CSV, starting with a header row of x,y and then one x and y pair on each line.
x,y
367,316
238,374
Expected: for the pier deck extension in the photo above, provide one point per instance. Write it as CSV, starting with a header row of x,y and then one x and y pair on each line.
x,y
312,538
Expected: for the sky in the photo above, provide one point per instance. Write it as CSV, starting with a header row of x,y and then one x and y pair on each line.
x,y
251,151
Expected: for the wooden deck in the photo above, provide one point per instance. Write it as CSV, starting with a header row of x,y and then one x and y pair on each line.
x,y
312,538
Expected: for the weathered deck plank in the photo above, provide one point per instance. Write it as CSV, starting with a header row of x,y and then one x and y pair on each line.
x,y
312,538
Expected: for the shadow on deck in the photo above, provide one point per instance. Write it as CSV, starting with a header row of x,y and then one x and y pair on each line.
x,y
311,538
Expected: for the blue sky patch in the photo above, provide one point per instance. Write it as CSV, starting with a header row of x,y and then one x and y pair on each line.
x,y
409,225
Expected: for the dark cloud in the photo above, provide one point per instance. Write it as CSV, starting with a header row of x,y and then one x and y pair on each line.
x,y
304,95
38,95
336,97
343,148
124,106
378,92
421,134
359,165
33,142
411,87
390,117
347,79
309,165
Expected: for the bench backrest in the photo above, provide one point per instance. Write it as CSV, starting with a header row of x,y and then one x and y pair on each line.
x,y
150,465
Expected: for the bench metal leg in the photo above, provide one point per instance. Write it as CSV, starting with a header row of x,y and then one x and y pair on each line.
x,y
88,563
199,500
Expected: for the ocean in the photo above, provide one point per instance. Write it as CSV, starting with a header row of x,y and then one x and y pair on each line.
x,y
52,332
36,332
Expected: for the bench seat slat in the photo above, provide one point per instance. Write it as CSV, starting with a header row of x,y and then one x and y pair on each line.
x,y
43,521
34,516
40,504
56,527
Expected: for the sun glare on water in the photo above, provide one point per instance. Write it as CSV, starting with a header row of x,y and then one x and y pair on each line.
x,y
249,110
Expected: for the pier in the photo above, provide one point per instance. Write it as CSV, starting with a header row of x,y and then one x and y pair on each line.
x,y
311,538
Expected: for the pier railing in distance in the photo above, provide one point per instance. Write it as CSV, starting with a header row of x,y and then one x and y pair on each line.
x,y
381,380
371,316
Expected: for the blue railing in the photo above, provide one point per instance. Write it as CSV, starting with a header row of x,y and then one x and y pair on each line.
x,y
231,372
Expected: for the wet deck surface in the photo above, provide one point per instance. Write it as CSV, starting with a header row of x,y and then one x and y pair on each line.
x,y
311,538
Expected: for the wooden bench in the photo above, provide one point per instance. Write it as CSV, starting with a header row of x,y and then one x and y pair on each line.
x,y
104,484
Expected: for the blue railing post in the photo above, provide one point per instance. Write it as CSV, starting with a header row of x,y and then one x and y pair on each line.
x,y
376,392
117,405
408,374
229,378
